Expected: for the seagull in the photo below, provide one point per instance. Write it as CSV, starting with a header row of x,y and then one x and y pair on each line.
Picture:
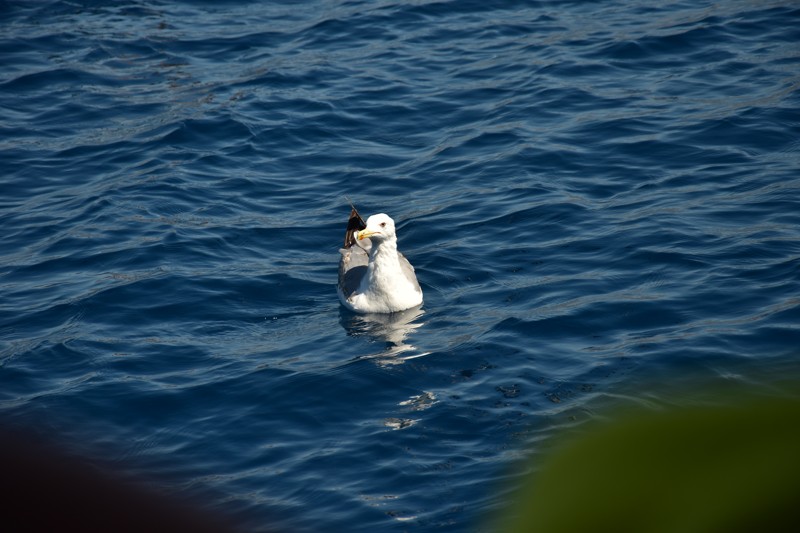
x,y
373,276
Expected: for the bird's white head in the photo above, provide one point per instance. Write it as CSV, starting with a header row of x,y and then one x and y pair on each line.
x,y
379,228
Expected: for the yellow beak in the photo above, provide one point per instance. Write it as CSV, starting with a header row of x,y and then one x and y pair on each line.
x,y
364,233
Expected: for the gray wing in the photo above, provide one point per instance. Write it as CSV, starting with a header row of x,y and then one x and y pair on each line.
x,y
352,268
408,271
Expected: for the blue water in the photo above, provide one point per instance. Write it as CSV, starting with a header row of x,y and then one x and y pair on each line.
x,y
601,200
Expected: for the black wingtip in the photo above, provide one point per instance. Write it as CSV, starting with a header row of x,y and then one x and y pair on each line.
x,y
354,223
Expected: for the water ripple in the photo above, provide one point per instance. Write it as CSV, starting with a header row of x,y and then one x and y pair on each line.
x,y
600,201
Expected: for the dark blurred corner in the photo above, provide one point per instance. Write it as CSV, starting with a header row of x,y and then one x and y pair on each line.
x,y
45,489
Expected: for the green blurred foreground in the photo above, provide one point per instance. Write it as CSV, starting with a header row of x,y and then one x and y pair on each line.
x,y
726,468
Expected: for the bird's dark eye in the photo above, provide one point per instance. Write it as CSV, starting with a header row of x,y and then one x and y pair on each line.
x,y
383,224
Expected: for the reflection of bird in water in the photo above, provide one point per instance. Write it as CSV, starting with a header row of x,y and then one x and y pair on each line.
x,y
373,276
389,329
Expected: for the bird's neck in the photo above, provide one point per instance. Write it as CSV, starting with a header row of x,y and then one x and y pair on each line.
x,y
384,264
383,249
